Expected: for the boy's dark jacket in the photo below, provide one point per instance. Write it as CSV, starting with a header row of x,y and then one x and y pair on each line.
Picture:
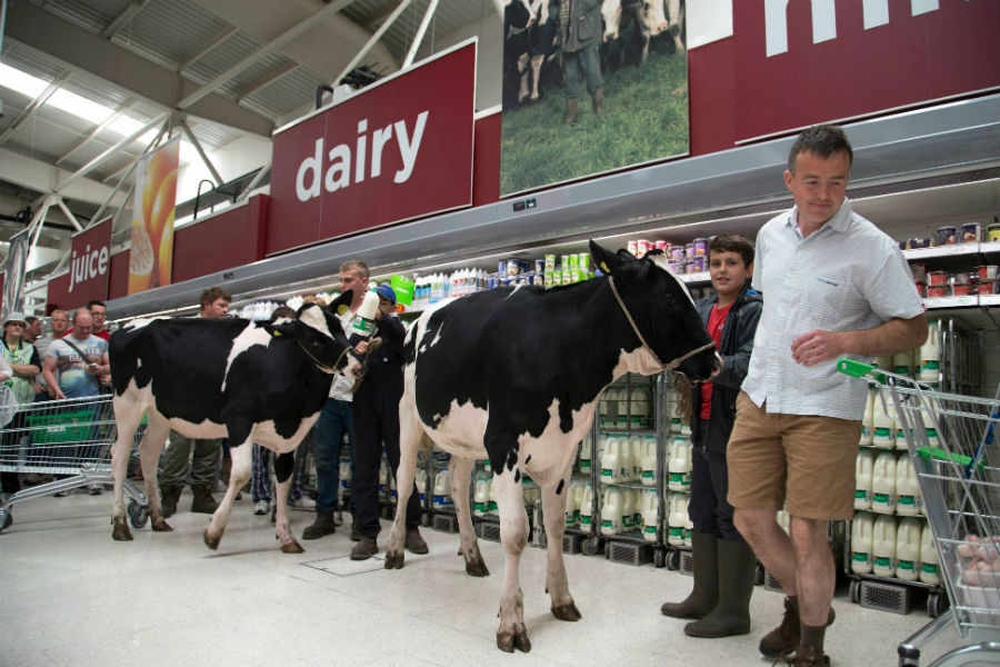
x,y
737,344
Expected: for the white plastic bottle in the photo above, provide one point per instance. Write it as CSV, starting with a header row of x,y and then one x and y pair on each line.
x,y
636,442
908,499
639,402
611,511
628,511
622,416
883,436
930,354
650,515
364,323
492,510
884,546
884,483
861,542
677,517
572,511
903,362
481,495
929,569
578,488
868,421
584,461
610,458
648,460
679,466
688,530
908,548
421,481
863,466
587,507
442,489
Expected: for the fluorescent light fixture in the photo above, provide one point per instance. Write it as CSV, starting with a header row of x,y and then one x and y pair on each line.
x,y
21,82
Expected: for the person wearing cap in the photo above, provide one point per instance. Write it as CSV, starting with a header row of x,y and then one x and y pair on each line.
x,y
376,422
24,364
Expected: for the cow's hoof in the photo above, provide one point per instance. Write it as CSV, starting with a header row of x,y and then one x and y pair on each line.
x,y
212,542
394,560
120,531
292,547
160,525
567,612
508,641
476,567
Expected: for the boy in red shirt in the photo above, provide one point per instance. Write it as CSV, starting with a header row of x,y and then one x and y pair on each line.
x,y
724,564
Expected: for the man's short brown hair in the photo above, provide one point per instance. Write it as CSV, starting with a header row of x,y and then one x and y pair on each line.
x,y
210,295
733,243
357,266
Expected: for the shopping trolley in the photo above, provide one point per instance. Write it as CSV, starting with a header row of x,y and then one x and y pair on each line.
x,y
951,440
70,439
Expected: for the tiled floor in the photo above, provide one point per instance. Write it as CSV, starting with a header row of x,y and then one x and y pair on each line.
x,y
69,595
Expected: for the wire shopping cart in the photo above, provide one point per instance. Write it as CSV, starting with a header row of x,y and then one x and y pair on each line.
x,y
69,438
951,440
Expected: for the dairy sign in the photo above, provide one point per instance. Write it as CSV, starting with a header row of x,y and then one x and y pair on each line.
x,y
396,150
89,268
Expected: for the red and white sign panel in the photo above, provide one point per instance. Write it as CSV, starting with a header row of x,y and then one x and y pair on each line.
x,y
397,150
89,268
800,62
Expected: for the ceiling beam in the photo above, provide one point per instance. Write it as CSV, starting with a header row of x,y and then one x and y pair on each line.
x,y
278,42
122,108
373,40
34,106
130,12
223,35
91,53
32,174
268,78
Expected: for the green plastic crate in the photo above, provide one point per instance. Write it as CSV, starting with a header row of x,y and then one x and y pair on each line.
x,y
60,427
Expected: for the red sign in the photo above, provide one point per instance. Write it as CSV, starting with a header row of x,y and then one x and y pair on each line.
x,y
89,268
399,149
799,63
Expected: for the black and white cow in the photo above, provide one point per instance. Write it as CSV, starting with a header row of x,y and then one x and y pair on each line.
x,y
515,374
233,378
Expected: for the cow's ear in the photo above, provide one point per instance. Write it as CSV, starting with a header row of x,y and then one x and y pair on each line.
x,y
288,328
608,262
341,303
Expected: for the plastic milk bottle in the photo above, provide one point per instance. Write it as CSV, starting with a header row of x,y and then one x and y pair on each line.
x,y
648,460
868,421
650,515
884,483
883,435
611,511
861,543
908,500
863,466
481,496
884,546
677,518
908,548
587,507
610,458
929,573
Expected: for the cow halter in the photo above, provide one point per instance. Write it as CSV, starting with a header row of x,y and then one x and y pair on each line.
x,y
318,363
628,316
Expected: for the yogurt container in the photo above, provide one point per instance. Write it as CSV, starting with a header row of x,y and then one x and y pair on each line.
x,y
701,247
961,290
936,278
993,231
947,235
971,232
696,265
987,272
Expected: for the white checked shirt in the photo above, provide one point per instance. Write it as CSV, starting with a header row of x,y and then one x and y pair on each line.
x,y
845,276
340,389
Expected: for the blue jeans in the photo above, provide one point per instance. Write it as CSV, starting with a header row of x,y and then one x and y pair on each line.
x,y
586,61
334,422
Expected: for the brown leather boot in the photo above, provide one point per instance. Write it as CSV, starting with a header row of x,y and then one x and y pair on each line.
x,y
168,501
598,101
784,639
203,502
572,109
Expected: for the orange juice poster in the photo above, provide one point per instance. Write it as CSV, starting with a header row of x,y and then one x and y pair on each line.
x,y
151,257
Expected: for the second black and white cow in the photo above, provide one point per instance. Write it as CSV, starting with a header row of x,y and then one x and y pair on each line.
x,y
515,375
232,378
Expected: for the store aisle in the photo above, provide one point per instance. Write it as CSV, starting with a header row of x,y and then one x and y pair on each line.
x,y
72,596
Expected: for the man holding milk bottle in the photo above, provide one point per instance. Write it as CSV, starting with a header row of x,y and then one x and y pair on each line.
x,y
723,563
834,285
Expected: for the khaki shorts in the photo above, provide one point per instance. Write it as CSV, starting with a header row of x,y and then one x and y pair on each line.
x,y
804,463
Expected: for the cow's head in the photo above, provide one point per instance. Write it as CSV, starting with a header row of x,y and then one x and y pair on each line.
x,y
318,332
611,10
662,310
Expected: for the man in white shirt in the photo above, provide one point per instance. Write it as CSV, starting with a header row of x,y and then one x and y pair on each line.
x,y
833,285
336,419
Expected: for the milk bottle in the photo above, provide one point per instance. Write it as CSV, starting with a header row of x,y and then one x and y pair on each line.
x,y
908,548
884,483
863,466
908,501
572,511
587,507
902,362
605,414
861,543
677,517
442,489
628,511
622,415
650,515
481,496
639,404
884,546
492,508
585,454
883,434
421,481
637,508
679,466
930,354
868,421
610,459
929,573
636,455
688,529
611,511
648,460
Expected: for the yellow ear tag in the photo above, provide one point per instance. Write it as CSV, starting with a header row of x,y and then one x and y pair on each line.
x,y
341,309
276,333
604,267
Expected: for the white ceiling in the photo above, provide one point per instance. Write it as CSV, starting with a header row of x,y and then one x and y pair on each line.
x,y
227,68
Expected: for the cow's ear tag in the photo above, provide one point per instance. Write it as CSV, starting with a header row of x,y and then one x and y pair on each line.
x,y
604,267
341,309
276,333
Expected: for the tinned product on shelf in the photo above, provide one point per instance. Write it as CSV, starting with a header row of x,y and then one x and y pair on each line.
x,y
934,291
961,289
936,278
550,262
971,232
701,247
986,272
993,231
947,235
960,278
689,250
989,287
677,253
539,266
676,266
696,265
583,260
918,242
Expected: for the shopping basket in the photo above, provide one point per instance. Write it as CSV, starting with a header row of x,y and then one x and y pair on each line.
x,y
951,440
70,439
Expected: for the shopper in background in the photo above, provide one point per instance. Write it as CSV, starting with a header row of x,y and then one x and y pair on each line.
x,y
99,312
74,363
376,421
203,453
724,565
834,285
336,420
9,481
22,357
59,323
580,29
